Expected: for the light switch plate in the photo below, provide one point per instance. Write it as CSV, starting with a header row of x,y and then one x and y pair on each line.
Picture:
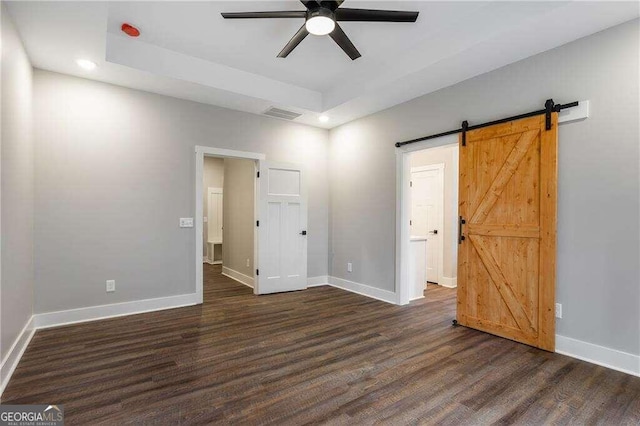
x,y
186,222
349,267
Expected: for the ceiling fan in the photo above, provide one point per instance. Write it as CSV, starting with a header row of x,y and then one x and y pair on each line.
x,y
321,18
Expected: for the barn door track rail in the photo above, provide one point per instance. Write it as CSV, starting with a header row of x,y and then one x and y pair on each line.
x,y
549,107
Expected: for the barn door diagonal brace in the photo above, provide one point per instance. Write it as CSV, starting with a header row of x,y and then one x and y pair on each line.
x,y
549,107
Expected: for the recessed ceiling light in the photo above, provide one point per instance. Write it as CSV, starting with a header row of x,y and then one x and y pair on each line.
x,y
323,118
86,64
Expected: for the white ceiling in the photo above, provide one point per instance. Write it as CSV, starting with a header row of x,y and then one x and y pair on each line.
x,y
188,51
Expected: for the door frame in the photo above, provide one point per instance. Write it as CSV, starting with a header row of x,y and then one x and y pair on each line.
x,y
403,211
207,151
440,167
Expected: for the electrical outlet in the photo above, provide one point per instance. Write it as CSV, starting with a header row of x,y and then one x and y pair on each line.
x,y
558,310
349,267
111,286
248,263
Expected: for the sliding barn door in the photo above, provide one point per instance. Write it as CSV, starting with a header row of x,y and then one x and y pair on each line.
x,y
282,245
507,250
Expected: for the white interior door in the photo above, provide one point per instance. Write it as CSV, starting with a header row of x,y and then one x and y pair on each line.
x,y
282,245
427,204
214,216
214,225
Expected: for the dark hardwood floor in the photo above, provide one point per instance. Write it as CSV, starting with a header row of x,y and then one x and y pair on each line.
x,y
318,356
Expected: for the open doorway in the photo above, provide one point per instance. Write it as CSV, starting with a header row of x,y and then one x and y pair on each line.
x,y
258,215
426,246
433,217
229,225
211,196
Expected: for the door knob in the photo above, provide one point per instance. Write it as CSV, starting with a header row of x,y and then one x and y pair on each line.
x,y
303,233
434,232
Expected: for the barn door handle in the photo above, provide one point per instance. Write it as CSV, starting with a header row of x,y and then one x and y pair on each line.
x,y
303,233
461,222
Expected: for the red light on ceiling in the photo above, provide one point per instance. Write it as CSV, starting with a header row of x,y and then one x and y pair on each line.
x,y
130,30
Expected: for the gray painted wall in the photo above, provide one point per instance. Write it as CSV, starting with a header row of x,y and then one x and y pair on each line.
x,y
115,170
598,219
16,188
213,177
238,215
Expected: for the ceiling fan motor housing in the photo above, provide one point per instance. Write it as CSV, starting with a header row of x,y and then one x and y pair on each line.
x,y
321,11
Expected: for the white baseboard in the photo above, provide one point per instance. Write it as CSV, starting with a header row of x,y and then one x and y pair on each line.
x,y
317,281
600,355
449,282
10,362
354,287
93,313
238,276
363,289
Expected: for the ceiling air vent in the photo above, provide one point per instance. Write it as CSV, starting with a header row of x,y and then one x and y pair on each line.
x,y
281,113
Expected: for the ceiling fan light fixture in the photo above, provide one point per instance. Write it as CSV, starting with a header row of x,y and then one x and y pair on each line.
x,y
320,22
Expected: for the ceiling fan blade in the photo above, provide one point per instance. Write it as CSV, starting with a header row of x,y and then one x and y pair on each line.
x,y
345,44
294,42
370,15
251,15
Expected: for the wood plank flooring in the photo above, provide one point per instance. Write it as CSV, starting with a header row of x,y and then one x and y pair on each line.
x,y
318,356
